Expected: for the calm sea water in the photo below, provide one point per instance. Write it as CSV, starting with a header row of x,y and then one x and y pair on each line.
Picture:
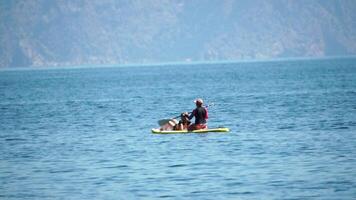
x,y
85,133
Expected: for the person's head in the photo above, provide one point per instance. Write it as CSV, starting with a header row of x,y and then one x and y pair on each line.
x,y
198,102
184,116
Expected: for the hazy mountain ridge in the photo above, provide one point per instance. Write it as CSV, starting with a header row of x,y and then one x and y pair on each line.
x,y
62,32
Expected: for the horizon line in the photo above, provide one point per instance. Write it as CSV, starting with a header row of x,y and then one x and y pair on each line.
x,y
175,63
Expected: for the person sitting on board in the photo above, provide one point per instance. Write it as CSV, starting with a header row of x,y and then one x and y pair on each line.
x,y
200,114
169,126
184,122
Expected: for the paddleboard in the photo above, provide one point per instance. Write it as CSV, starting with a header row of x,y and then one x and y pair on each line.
x,y
157,131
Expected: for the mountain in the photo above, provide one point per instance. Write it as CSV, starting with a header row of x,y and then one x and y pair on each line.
x,y
81,32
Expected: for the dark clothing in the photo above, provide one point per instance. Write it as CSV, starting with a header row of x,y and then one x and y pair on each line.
x,y
186,123
200,114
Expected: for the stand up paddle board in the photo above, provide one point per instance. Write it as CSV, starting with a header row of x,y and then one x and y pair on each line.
x,y
157,131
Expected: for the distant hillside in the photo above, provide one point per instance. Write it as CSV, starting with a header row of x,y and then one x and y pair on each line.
x,y
66,32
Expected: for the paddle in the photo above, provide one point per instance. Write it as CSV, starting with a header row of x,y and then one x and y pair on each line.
x,y
165,121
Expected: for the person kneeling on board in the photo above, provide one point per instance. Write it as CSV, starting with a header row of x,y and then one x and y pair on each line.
x,y
183,123
200,114
173,124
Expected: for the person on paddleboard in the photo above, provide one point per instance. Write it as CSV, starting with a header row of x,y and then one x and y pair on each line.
x,y
184,122
200,114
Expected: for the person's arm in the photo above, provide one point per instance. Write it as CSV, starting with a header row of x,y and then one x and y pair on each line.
x,y
206,113
191,115
181,126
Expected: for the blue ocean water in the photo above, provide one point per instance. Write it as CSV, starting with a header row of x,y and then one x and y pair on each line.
x,y
84,133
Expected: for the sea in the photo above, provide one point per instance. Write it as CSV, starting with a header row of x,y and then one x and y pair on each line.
x,y
85,132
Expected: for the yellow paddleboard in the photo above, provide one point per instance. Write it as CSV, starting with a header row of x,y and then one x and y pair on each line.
x,y
157,131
